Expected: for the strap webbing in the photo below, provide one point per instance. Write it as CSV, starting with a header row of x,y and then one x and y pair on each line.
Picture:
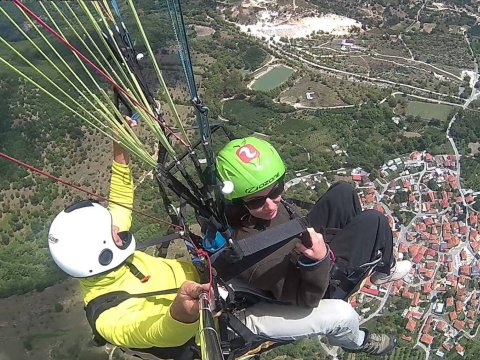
x,y
244,253
272,236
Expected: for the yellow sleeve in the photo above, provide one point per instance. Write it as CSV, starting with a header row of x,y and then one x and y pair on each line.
x,y
170,332
147,322
121,191
136,331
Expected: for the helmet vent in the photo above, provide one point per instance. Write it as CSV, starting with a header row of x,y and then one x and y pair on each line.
x,y
106,257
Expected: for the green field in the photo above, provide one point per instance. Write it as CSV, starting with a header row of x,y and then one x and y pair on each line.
x,y
428,110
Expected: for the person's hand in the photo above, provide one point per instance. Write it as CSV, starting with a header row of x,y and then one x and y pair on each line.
x,y
185,307
132,123
318,250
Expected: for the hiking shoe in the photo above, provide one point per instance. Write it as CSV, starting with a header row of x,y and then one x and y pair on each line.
x,y
375,344
398,271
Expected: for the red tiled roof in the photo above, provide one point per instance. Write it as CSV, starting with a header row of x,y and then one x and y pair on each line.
x,y
411,325
428,221
466,269
426,339
471,314
441,325
421,227
459,325
453,316
473,218
431,252
374,292
426,288
416,299
458,306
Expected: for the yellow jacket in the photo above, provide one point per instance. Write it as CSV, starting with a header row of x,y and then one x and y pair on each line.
x,y
139,322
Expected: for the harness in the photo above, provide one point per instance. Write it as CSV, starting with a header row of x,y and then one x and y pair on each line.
x,y
237,341
232,295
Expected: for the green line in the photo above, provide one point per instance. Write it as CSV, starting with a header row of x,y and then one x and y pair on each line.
x,y
153,125
62,73
141,153
107,98
159,74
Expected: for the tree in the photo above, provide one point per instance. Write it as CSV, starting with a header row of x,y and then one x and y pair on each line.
x,y
392,102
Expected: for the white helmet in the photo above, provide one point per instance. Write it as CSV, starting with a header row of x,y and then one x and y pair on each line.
x,y
81,242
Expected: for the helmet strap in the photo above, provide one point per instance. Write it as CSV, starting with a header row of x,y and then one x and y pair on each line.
x,y
138,274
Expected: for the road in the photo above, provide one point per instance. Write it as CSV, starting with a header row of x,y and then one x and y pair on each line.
x,y
290,55
472,97
380,307
418,343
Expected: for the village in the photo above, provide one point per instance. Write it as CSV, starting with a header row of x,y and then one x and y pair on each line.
x,y
435,226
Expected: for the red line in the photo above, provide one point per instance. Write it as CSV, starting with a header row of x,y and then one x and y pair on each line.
x,y
34,169
95,67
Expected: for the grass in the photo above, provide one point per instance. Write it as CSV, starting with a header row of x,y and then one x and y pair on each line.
x,y
323,95
428,110
252,117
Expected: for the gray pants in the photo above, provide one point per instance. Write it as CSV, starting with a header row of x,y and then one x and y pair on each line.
x,y
334,319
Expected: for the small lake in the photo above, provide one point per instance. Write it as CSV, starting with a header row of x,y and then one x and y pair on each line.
x,y
273,78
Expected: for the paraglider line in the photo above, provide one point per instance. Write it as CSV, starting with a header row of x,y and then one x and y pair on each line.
x,y
57,179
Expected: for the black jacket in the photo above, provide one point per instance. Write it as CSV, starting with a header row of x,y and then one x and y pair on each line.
x,y
286,274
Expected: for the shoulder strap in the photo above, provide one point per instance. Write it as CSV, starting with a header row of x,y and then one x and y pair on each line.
x,y
107,301
256,247
290,209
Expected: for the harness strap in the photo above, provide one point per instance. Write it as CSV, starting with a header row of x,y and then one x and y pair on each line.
x,y
246,341
247,252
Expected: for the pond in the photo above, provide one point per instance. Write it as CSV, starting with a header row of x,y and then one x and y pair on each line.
x,y
273,78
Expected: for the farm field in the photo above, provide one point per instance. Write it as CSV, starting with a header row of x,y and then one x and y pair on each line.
x,y
319,94
428,110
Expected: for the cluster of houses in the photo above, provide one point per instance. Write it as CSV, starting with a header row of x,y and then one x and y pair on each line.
x,y
440,235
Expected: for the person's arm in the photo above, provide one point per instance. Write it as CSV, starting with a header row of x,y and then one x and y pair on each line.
x,y
121,189
314,271
160,325
120,154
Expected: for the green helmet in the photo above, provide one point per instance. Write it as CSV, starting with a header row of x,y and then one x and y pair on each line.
x,y
250,164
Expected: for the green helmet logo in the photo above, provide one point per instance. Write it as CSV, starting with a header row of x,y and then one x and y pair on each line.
x,y
247,153
250,164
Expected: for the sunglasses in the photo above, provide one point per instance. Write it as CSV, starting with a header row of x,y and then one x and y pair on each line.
x,y
274,193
